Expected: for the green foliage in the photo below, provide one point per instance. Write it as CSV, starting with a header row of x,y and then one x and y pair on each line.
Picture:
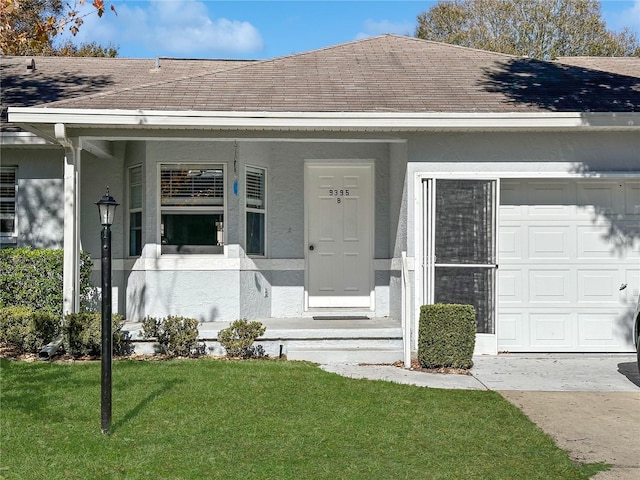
x,y
84,334
26,329
537,29
177,336
89,294
29,27
33,278
238,339
204,419
447,336
91,49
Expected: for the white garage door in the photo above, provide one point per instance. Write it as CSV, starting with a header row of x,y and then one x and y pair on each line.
x,y
569,265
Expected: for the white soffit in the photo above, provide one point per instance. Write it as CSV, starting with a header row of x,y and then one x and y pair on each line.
x,y
22,139
383,121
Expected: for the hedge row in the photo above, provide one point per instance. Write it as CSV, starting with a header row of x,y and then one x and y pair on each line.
x,y
33,278
29,330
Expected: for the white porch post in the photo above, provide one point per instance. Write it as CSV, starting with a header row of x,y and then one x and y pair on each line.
x,y
71,236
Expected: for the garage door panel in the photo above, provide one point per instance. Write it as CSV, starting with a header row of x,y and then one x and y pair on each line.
x,y
550,241
510,287
512,335
551,200
598,286
594,242
551,330
598,198
512,203
550,286
632,198
512,242
632,280
596,330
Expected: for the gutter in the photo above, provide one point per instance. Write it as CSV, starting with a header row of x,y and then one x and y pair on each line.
x,y
327,121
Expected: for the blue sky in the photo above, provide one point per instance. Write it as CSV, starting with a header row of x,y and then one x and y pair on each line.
x,y
265,29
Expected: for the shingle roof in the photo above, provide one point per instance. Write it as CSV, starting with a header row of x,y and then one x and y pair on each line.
x,y
629,66
389,73
63,78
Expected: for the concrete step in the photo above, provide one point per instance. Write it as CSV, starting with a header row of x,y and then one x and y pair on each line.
x,y
339,356
374,351
373,341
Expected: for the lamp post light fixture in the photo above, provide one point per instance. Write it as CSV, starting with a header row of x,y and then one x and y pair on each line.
x,y
107,209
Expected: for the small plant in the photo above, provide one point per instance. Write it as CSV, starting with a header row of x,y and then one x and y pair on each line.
x,y
26,329
238,339
84,334
177,336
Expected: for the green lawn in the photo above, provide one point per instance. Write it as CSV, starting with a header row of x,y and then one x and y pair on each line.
x,y
208,419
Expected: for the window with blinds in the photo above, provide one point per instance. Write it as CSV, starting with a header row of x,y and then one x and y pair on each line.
x,y
8,191
255,198
255,188
185,185
192,208
135,210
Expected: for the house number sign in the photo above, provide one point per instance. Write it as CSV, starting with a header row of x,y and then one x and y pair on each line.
x,y
338,194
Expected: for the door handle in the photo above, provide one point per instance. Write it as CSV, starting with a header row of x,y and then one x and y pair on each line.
x,y
312,248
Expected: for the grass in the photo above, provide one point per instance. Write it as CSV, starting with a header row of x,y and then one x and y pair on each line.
x,y
210,419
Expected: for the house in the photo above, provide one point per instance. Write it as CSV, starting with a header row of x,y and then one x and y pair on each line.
x,y
360,180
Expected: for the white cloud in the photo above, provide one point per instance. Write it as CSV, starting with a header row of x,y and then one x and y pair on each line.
x,y
619,18
373,28
175,28
633,16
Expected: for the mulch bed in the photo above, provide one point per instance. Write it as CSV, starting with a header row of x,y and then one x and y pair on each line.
x,y
415,365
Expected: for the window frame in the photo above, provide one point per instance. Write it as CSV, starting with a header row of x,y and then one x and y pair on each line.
x,y
257,210
11,237
133,210
170,249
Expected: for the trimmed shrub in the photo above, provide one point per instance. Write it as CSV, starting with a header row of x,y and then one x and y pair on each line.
x,y
84,334
26,329
238,339
33,278
177,336
447,336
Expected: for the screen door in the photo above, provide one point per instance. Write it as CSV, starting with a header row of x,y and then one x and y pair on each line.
x,y
460,245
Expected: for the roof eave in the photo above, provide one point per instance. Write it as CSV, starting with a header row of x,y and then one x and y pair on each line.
x,y
23,139
325,121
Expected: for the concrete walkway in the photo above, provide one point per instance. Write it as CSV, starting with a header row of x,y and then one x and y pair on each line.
x,y
542,372
589,404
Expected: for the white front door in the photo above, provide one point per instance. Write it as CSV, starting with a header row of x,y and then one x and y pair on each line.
x,y
339,234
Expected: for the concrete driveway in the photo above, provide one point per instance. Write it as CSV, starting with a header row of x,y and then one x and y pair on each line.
x,y
589,404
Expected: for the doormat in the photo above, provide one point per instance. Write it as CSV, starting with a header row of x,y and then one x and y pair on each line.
x,y
341,317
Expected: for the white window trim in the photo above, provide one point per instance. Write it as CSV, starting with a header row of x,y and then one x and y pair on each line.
x,y
263,211
12,237
134,210
204,210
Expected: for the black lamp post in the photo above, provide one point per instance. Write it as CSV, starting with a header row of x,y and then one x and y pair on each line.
x,y
107,209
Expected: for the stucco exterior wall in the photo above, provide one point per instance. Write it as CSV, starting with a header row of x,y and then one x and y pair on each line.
x,y
231,286
273,286
39,211
526,154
